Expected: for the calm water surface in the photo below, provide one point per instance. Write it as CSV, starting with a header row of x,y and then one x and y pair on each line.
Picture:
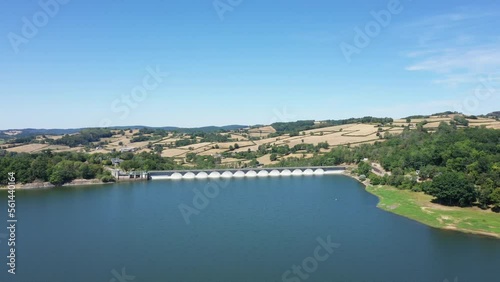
x,y
254,230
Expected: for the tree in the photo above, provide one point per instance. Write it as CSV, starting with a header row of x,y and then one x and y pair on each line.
x,y
274,157
323,145
63,172
375,180
158,148
86,172
130,165
364,168
495,198
453,189
460,120
57,178
190,157
39,168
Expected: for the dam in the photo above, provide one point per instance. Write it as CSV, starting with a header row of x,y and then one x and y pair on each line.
x,y
241,173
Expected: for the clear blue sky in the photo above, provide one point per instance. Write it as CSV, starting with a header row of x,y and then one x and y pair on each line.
x,y
259,62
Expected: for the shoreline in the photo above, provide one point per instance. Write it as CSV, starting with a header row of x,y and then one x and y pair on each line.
x,y
48,185
392,209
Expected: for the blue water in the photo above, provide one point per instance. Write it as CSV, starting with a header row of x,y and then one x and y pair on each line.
x,y
252,230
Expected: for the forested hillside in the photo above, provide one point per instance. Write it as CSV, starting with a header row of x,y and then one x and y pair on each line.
x,y
61,168
459,166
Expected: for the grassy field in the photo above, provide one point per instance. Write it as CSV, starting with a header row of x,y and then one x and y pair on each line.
x,y
418,206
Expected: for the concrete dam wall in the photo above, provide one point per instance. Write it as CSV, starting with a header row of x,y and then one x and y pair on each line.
x,y
242,173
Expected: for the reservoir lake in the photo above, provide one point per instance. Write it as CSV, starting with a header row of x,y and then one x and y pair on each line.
x,y
309,228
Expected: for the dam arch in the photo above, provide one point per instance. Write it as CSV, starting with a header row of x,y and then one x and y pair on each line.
x,y
241,173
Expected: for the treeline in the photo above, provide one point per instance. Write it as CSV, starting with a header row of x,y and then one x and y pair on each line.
x,y
367,119
85,137
417,117
148,134
31,132
293,128
57,168
447,113
494,114
22,140
458,166
144,161
433,163
212,137
203,137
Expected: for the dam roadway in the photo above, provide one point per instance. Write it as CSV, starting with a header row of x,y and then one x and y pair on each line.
x,y
244,172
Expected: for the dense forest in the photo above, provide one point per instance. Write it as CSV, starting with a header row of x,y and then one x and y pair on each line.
x,y
60,168
49,167
458,166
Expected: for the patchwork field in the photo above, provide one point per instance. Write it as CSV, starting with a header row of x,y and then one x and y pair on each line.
x,y
174,153
331,129
333,139
246,140
28,148
261,131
